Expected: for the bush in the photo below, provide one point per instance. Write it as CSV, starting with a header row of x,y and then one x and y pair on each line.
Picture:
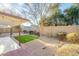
x,y
68,50
72,37
61,35
31,32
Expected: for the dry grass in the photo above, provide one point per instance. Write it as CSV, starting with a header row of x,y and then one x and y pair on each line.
x,y
68,50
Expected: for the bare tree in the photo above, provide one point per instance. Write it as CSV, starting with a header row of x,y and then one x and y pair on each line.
x,y
35,11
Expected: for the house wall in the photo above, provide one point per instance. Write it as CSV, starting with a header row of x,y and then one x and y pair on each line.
x,y
7,30
53,30
10,20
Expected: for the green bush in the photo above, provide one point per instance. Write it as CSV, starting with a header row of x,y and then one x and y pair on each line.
x,y
68,50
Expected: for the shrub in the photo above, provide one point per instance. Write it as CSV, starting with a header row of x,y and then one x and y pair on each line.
x,y
72,37
61,35
68,50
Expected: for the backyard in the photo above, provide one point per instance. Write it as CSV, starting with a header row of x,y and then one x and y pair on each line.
x,y
42,29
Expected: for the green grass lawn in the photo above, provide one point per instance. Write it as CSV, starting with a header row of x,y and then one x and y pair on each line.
x,y
26,38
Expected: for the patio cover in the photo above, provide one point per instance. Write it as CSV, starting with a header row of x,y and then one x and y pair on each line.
x,y
7,20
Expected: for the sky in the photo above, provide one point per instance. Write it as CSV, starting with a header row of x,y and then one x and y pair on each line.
x,y
65,6
16,8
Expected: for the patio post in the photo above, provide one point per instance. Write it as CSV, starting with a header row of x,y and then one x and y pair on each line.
x,y
19,35
11,32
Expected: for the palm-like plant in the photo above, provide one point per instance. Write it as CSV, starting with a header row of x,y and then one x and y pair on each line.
x,y
72,14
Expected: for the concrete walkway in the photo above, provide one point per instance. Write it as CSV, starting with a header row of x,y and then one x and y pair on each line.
x,y
7,44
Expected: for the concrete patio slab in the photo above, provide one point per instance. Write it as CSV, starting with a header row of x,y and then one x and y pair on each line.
x,y
7,44
23,51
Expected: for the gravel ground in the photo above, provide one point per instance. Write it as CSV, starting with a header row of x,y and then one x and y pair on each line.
x,y
43,47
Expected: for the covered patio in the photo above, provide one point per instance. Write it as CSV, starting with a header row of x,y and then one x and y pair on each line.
x,y
7,21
